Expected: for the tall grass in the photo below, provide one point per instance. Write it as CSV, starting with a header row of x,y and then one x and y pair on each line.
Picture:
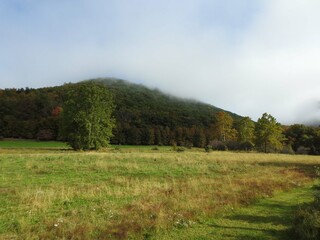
x,y
131,193
307,218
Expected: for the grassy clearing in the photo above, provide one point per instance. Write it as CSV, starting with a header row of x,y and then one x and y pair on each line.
x,y
127,193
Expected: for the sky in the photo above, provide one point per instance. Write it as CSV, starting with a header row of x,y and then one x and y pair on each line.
x,y
247,56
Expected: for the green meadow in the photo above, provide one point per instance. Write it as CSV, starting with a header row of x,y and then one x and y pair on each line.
x,y
17,143
48,191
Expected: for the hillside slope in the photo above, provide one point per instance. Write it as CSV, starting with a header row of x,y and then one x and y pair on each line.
x,y
155,107
143,113
144,116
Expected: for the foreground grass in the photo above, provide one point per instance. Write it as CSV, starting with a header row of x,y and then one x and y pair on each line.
x,y
267,219
123,194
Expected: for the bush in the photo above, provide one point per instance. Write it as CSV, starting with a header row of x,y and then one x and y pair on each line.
x,y
218,146
307,219
303,150
246,146
117,149
155,148
1,138
314,151
45,135
307,223
233,145
287,150
174,146
180,149
188,145
208,148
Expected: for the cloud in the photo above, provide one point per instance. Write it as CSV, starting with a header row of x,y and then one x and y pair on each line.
x,y
280,55
249,57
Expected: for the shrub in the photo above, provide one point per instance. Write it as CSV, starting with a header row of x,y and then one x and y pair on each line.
x,y
208,148
287,150
246,146
188,145
174,146
314,151
155,148
233,145
180,149
302,150
1,138
307,223
307,218
45,135
218,145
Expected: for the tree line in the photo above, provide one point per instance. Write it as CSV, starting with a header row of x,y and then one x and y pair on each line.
x,y
132,114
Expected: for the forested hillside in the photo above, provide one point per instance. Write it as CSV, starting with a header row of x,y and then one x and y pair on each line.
x,y
149,117
146,116
143,116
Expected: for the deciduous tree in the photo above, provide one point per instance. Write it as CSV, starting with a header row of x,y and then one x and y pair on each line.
x,y
245,128
223,127
86,119
268,133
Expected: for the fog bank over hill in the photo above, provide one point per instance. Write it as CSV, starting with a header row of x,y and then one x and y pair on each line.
x,y
249,56
310,113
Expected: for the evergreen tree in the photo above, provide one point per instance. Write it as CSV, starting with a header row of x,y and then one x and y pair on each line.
x,y
86,119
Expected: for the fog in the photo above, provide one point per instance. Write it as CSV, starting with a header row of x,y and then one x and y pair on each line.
x,y
248,57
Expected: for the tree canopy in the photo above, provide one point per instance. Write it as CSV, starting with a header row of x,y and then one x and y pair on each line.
x,y
144,116
223,127
245,129
86,119
268,133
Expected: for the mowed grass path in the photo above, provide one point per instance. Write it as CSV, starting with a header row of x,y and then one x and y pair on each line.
x,y
133,193
267,219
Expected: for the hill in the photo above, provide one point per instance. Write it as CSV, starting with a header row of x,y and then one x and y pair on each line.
x,y
160,108
144,116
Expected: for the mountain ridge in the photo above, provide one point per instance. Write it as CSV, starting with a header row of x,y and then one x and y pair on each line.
x,y
112,82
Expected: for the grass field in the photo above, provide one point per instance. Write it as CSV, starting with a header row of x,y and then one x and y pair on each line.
x,y
17,143
140,193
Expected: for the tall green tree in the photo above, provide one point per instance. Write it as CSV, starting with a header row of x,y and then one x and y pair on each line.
x,y
299,135
86,118
268,133
245,127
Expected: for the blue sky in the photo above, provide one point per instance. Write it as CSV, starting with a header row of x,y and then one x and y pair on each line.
x,y
247,56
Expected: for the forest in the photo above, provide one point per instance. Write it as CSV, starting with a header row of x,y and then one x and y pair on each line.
x,y
146,116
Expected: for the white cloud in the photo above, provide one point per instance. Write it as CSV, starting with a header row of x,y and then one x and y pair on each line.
x,y
246,57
